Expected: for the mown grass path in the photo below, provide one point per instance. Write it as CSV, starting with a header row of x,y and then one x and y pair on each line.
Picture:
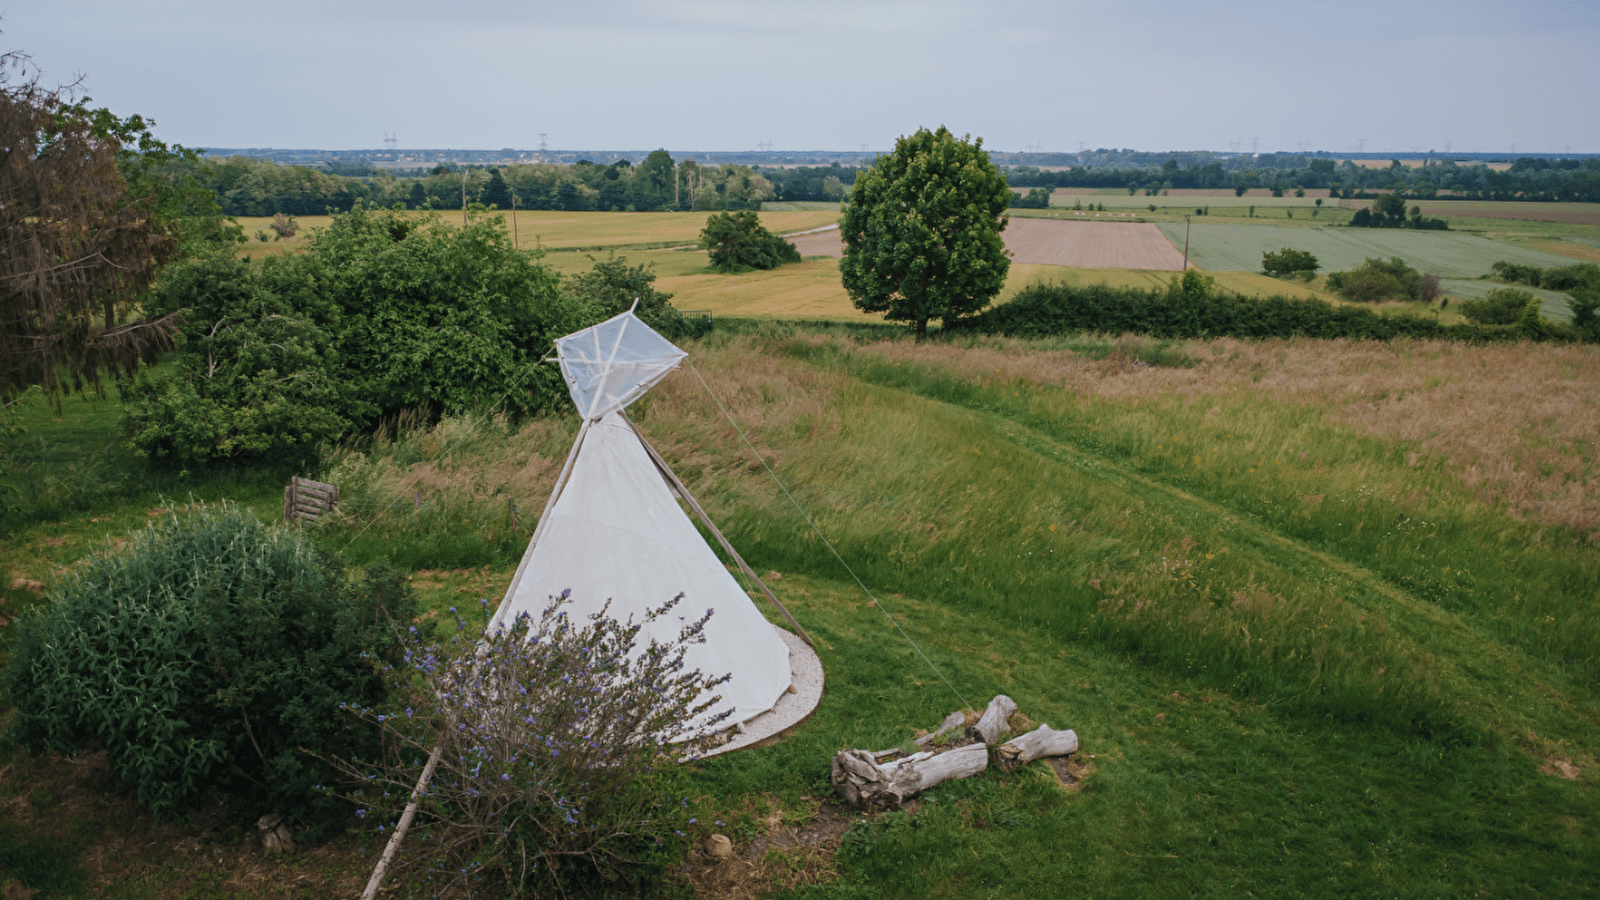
x,y
1464,655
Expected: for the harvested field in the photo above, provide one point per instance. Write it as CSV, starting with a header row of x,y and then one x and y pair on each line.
x,y
1090,245
818,243
1529,210
1104,245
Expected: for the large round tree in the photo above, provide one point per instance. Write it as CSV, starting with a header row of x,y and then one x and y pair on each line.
x,y
922,231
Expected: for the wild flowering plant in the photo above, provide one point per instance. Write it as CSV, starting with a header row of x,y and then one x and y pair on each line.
x,y
557,772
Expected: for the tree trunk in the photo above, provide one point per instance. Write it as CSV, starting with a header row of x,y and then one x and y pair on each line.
x,y
1036,744
922,329
994,718
859,779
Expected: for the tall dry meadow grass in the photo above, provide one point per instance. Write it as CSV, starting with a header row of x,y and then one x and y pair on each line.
x,y
1519,423
1328,526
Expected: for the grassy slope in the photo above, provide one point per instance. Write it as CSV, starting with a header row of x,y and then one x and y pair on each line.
x,y
1306,661
1280,695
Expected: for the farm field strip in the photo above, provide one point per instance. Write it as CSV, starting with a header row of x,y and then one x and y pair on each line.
x,y
1552,304
557,229
1090,245
1238,248
1529,210
1110,245
1179,200
808,289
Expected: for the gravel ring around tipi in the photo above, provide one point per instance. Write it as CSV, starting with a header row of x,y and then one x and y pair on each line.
x,y
805,674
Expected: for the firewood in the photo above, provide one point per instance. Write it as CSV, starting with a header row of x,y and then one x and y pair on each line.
x,y
949,727
993,722
859,779
1036,744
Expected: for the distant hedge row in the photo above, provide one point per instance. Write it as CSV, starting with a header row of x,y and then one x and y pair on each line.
x,y
1191,309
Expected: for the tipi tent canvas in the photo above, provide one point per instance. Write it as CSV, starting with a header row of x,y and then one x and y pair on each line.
x,y
613,529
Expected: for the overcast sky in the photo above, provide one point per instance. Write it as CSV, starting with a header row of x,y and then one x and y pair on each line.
x,y
833,74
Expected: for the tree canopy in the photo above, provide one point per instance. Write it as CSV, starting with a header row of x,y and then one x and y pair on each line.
x,y
922,230
739,242
383,313
90,209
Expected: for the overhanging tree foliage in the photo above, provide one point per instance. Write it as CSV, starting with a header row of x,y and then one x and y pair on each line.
x,y
922,231
89,211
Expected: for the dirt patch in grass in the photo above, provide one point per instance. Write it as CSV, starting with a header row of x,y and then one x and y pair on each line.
x,y
93,838
1560,766
776,860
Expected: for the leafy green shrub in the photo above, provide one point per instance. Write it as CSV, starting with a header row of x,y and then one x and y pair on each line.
x,y
1517,274
1378,279
1289,261
1037,198
1585,306
1578,276
557,767
204,656
1502,306
612,286
383,312
739,242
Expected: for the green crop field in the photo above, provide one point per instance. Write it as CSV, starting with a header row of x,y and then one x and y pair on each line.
x,y
1552,304
1238,248
1122,200
1321,613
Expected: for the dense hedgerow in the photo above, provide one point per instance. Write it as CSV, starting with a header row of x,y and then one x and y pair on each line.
x,y
209,655
557,772
1191,308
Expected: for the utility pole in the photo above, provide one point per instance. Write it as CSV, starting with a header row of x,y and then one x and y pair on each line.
x,y
514,220
1186,243
463,196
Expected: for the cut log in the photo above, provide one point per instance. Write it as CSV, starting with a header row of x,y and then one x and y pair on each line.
x,y
1036,744
993,722
950,727
859,779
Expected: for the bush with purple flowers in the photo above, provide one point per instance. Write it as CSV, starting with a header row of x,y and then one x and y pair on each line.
x,y
558,769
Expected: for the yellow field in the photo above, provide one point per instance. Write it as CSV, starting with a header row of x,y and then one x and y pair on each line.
x,y
552,229
809,289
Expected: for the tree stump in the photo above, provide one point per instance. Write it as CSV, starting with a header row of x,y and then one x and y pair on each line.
x,y
993,721
1036,744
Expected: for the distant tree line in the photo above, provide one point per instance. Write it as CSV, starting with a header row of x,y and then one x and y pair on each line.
x,y
252,187
246,186
1529,178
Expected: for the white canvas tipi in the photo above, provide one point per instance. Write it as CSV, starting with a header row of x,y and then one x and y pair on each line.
x,y
613,529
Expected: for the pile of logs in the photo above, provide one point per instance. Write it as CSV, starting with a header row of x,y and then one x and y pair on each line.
x,y
864,777
305,500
